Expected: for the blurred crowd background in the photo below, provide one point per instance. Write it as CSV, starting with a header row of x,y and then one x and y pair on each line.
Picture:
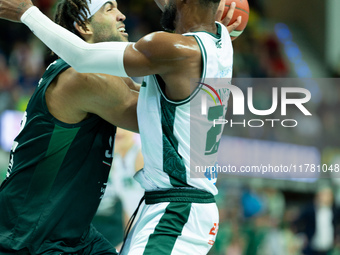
x,y
285,41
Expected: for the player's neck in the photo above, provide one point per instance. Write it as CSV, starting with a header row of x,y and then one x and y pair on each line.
x,y
210,28
196,21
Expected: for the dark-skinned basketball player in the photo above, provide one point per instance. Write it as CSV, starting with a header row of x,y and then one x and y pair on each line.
x,y
180,214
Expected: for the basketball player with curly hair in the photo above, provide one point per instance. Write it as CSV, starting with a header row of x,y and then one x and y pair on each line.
x,y
61,159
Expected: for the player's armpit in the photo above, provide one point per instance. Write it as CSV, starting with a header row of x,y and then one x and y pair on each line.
x,y
132,84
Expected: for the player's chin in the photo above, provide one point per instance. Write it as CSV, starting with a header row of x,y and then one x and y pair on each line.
x,y
124,36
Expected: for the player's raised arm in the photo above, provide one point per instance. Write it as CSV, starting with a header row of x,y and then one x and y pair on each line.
x,y
146,57
107,57
82,56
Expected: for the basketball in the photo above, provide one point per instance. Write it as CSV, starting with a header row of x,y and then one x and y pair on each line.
x,y
242,9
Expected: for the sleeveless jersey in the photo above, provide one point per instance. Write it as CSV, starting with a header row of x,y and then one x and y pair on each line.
x,y
56,177
176,137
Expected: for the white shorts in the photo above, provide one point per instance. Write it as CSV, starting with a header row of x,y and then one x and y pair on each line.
x,y
176,228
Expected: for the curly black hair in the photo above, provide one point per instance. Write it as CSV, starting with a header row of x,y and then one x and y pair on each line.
x,y
70,11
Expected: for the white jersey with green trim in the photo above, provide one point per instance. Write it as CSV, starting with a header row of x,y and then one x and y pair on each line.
x,y
180,139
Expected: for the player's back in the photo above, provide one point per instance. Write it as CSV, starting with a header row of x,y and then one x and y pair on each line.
x,y
175,135
56,177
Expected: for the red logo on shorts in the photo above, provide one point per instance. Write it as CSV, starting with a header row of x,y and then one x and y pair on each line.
x,y
214,229
213,232
211,242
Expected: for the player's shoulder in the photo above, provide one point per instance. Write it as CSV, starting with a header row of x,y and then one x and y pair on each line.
x,y
165,37
71,82
73,78
164,43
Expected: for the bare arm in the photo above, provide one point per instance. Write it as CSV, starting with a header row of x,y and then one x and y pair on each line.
x,y
14,9
147,56
73,95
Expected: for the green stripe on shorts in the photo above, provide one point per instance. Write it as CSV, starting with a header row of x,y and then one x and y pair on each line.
x,y
170,226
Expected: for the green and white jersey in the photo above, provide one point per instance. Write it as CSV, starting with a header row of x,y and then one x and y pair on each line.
x,y
176,137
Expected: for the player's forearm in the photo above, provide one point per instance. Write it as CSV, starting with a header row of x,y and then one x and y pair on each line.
x,y
13,9
83,57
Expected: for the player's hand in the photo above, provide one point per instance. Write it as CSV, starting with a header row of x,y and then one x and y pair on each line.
x,y
13,9
228,17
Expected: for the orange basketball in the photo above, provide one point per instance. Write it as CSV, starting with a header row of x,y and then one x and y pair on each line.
x,y
242,9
